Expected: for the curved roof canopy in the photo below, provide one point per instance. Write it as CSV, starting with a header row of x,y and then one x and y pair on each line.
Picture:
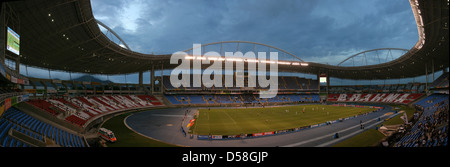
x,y
64,35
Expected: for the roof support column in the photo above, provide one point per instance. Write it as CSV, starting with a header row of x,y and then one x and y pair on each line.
x,y
18,65
49,75
94,88
141,86
2,35
152,80
45,88
328,83
162,78
432,67
140,78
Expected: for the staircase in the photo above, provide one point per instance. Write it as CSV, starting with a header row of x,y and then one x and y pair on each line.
x,y
162,99
418,99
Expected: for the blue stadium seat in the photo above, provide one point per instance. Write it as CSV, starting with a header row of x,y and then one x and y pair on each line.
x,y
34,128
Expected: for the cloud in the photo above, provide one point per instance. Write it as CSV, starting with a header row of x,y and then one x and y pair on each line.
x,y
309,29
130,15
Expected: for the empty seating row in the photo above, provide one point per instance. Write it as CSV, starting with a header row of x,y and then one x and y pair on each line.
x,y
425,133
284,82
440,82
239,99
28,125
78,110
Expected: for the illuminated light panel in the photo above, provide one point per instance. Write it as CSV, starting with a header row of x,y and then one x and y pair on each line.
x,y
235,59
212,58
201,58
252,60
284,63
265,61
246,60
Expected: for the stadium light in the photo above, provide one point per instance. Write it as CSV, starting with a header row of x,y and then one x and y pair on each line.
x,y
234,59
212,58
284,63
201,58
252,60
265,61
244,60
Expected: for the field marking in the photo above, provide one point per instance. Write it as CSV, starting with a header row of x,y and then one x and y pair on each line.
x,y
234,122
331,135
346,136
166,115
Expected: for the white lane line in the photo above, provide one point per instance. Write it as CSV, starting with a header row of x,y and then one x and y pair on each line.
x,y
165,115
346,136
325,136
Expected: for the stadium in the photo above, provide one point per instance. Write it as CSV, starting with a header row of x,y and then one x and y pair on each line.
x,y
64,37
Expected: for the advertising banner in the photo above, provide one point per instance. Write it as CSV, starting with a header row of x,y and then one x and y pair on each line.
x,y
322,124
257,134
216,137
13,100
13,79
40,91
52,91
231,137
202,137
268,133
7,103
281,131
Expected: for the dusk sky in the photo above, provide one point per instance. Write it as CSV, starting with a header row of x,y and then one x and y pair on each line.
x,y
323,31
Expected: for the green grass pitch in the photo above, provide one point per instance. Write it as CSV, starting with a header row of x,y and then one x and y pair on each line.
x,y
255,120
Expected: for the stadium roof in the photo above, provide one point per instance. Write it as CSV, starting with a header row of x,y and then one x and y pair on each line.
x,y
64,35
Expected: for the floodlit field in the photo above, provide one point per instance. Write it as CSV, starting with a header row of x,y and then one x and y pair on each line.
x,y
255,120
